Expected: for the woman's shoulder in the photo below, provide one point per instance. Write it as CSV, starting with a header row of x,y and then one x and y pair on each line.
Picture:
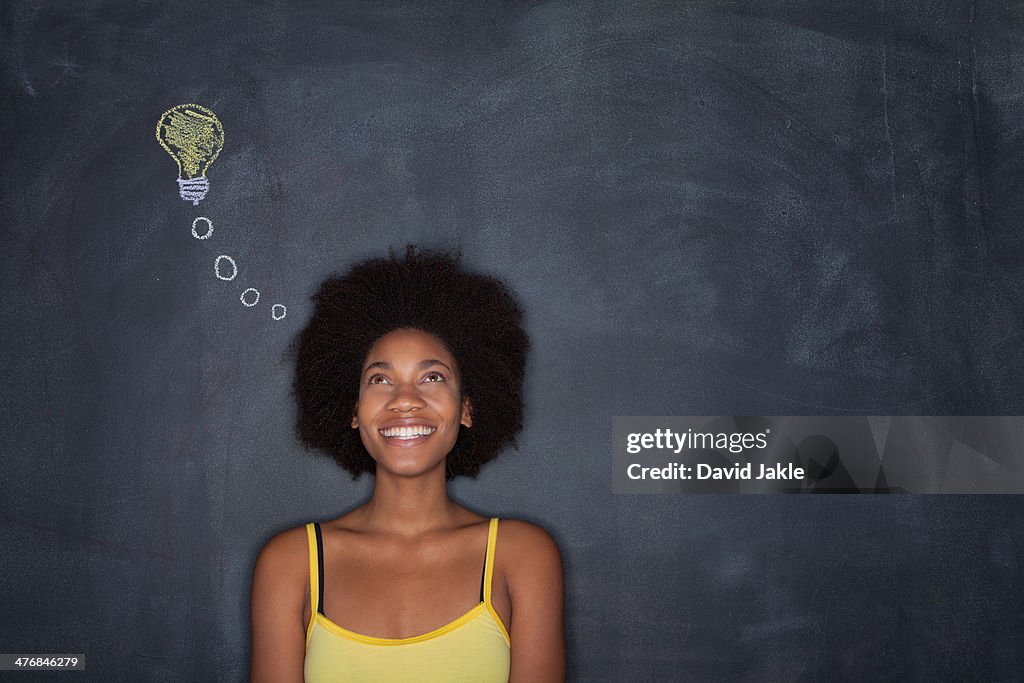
x,y
530,566
286,553
522,542
523,531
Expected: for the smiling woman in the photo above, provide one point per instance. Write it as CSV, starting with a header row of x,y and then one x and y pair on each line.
x,y
410,406
411,370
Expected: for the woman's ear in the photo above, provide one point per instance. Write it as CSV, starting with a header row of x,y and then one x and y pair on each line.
x,y
355,422
467,413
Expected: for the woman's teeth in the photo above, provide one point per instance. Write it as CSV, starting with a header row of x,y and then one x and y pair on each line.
x,y
407,432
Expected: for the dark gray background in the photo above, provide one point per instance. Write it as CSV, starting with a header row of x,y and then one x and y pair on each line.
x,y
708,208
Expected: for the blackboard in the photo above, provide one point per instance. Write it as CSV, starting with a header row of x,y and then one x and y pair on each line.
x,y
706,208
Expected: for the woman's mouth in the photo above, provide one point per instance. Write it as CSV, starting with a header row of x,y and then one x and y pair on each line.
x,y
408,433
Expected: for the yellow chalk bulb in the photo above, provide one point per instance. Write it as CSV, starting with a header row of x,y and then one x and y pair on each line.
x,y
193,136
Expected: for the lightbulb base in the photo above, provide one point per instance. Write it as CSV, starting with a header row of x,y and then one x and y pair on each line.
x,y
193,189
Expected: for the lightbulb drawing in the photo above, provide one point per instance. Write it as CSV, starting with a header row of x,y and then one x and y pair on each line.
x,y
193,136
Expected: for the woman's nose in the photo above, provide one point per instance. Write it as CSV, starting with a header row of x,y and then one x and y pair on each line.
x,y
405,398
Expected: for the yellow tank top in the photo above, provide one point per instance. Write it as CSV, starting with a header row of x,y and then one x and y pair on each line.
x,y
474,647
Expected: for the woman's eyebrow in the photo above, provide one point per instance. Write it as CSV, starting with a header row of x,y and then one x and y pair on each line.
x,y
377,364
424,364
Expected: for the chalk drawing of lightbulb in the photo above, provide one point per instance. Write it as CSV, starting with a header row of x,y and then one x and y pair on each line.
x,y
193,136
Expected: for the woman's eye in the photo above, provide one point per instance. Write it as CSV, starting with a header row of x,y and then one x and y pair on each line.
x,y
434,377
378,379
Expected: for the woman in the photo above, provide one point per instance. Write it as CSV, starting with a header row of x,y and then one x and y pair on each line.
x,y
410,369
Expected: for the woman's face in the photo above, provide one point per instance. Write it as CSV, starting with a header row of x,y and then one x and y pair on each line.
x,y
410,402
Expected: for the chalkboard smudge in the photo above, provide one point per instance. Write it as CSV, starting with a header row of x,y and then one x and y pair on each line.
x,y
67,66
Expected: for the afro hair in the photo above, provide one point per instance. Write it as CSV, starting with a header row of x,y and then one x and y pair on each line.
x,y
475,316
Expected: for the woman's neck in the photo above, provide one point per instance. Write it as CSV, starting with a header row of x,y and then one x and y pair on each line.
x,y
409,506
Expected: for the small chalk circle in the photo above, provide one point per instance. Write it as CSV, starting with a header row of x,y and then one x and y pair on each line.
x,y
209,228
274,313
255,301
216,268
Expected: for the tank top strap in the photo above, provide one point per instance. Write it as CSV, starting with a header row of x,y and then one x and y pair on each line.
x,y
492,537
316,575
